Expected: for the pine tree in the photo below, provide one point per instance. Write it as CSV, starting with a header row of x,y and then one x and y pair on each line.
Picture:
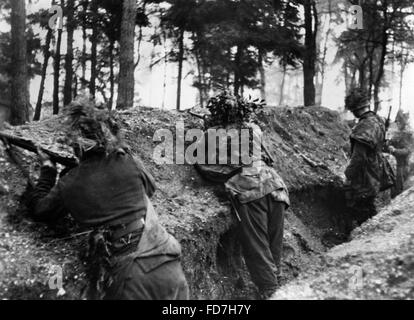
x,y
126,60
19,85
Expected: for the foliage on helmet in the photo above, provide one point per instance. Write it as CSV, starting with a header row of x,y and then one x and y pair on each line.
x,y
87,124
226,108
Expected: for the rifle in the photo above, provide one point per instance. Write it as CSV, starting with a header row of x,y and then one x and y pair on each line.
x,y
199,116
8,140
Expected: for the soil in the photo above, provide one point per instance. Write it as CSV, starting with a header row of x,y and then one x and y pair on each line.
x,y
309,146
378,263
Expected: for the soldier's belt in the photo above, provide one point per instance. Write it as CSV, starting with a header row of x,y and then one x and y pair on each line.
x,y
123,230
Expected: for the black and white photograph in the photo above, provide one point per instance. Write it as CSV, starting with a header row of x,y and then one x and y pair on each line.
x,y
221,151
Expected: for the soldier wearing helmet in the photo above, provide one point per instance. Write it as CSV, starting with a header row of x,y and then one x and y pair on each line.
x,y
258,194
131,256
401,146
368,171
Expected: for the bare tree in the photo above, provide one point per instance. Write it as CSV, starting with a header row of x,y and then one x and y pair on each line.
x,y
19,88
282,84
85,5
309,59
46,55
322,49
56,70
70,27
126,61
262,75
94,47
180,66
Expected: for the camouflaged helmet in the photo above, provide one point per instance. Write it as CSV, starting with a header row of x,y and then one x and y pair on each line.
x,y
357,99
89,126
226,108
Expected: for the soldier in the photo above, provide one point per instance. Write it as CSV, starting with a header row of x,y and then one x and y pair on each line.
x,y
400,146
131,255
258,194
368,171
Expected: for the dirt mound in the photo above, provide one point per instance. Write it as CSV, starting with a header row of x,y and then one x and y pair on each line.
x,y
377,264
308,145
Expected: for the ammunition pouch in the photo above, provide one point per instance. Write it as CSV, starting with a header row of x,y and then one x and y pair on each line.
x,y
106,246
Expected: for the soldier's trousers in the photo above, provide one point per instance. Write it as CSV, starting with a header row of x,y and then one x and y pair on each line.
x,y
261,237
132,281
402,176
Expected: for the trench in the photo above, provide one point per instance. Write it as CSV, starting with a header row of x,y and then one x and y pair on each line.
x,y
314,223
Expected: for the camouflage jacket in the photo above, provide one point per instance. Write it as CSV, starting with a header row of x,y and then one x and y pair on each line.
x,y
365,170
246,182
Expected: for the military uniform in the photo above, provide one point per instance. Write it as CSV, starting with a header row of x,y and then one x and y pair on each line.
x,y
131,254
367,169
403,142
259,198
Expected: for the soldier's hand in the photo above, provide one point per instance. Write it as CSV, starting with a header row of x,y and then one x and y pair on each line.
x,y
44,159
391,149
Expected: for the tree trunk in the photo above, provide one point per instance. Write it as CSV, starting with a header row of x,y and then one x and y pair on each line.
x,y
152,57
200,77
401,87
237,71
70,27
56,70
322,63
84,38
111,72
346,77
282,85
371,73
262,75
56,73
164,83
180,67
46,54
384,42
378,80
403,65
94,45
75,86
126,61
19,98
140,36
309,59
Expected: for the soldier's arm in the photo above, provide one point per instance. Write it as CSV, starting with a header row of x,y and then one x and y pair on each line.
x,y
45,201
358,161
